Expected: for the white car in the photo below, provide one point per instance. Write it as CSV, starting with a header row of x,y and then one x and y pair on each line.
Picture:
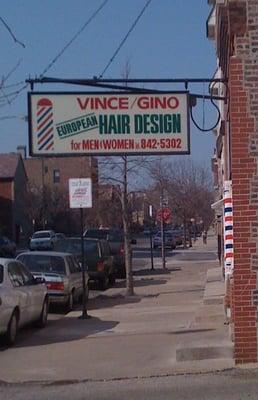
x,y
23,298
61,272
43,240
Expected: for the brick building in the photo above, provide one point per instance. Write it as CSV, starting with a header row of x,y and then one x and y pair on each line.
x,y
56,171
233,25
50,176
13,198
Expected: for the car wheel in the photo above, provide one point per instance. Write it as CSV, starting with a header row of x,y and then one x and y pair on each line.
x,y
41,323
12,329
121,273
103,283
112,279
86,294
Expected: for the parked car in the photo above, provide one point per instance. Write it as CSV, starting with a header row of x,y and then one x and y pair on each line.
x,y
98,258
43,240
60,237
169,240
178,234
61,272
23,298
115,238
7,247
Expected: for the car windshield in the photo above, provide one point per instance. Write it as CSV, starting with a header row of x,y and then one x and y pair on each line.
x,y
74,246
1,274
43,263
114,236
41,235
96,233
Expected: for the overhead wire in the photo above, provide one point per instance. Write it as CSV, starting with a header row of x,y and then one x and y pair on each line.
x,y
12,85
6,77
91,18
125,38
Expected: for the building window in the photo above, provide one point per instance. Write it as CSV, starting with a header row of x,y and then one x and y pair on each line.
x,y
56,176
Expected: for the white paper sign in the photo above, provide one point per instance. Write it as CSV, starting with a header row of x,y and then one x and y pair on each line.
x,y
80,193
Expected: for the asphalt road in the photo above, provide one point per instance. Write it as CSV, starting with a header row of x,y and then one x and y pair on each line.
x,y
227,385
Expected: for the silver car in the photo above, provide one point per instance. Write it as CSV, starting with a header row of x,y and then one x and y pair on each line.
x,y
43,240
62,274
23,299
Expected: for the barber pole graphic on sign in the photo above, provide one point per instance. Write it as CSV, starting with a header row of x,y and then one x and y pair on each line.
x,y
45,126
228,228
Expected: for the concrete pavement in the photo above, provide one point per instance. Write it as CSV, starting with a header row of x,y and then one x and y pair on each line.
x,y
166,328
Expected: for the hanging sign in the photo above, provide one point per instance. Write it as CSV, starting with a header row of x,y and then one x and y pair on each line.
x,y
108,123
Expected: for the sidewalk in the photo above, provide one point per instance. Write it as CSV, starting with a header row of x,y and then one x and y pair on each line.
x,y
173,324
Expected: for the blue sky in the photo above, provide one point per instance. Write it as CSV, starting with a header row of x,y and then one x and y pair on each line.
x,y
168,42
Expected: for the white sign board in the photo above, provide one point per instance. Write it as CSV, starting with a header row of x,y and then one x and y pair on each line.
x,y
108,123
80,193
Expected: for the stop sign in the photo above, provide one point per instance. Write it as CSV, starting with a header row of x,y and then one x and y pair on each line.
x,y
163,214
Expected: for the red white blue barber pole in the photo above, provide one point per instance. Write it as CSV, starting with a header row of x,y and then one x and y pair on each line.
x,y
45,126
228,229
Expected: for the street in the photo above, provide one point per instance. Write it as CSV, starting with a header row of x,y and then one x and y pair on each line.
x,y
228,385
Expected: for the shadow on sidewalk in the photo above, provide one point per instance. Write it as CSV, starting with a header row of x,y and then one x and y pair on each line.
x,y
143,253
155,271
66,329
142,282
107,301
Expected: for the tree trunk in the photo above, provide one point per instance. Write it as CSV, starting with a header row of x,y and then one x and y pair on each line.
x,y
185,233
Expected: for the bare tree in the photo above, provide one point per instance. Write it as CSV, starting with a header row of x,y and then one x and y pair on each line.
x,y
122,171
188,188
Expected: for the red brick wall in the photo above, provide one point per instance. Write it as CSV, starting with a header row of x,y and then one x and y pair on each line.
x,y
6,206
243,88
69,167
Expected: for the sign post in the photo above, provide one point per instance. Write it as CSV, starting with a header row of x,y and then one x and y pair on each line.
x,y
151,237
80,196
163,215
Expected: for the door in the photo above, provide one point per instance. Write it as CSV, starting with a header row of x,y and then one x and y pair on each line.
x,y
35,292
75,276
20,291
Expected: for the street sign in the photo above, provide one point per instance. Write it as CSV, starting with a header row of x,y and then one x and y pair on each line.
x,y
108,123
80,193
164,214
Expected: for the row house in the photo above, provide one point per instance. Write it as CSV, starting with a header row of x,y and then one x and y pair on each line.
x,y
14,221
